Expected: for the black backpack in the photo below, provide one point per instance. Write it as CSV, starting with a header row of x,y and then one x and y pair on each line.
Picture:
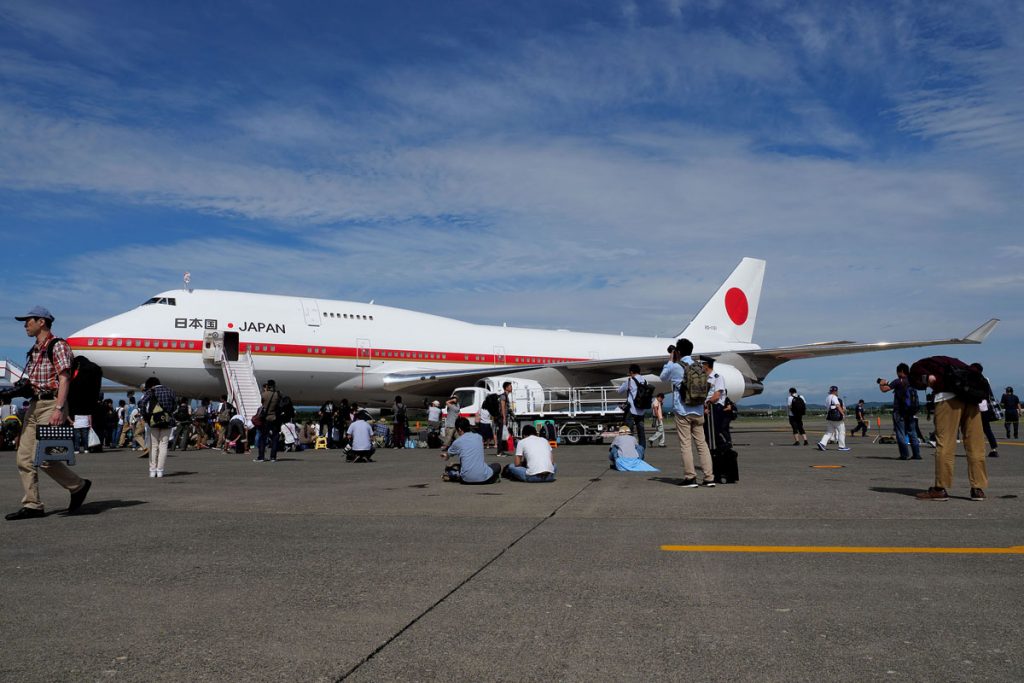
x,y
85,387
286,409
86,382
798,407
644,396
491,404
969,385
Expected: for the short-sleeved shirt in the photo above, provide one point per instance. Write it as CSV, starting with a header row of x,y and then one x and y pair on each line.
x,y
433,414
451,415
470,449
362,435
832,401
789,403
537,452
627,444
717,383
40,371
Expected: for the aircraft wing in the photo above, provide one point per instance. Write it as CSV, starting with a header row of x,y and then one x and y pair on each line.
x,y
763,361
755,364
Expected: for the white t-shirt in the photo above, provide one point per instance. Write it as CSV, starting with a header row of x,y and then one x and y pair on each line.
x,y
290,433
362,435
789,403
485,417
82,421
433,414
831,401
537,452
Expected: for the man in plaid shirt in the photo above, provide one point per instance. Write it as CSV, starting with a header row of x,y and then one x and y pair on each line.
x,y
50,380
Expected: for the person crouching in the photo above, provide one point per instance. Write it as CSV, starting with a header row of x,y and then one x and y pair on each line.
x,y
468,446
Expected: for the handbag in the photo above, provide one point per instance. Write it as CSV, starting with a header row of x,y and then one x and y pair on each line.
x,y
257,419
834,415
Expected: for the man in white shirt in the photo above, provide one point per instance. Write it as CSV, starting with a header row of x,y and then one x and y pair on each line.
x,y
534,461
360,435
715,411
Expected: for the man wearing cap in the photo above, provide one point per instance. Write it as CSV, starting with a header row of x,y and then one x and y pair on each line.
x,y
48,370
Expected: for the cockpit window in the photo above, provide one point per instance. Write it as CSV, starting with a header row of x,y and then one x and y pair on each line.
x,y
164,300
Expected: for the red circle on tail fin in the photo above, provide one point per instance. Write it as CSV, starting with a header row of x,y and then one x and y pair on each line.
x,y
736,306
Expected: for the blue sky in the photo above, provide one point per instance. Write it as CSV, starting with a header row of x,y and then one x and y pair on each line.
x,y
596,166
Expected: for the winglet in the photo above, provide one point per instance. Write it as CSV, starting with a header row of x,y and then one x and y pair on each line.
x,y
979,334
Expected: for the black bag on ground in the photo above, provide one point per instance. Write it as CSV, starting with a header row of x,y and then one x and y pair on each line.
x,y
726,467
433,439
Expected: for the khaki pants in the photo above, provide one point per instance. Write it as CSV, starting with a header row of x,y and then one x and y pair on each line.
x,y
950,416
692,427
39,413
158,440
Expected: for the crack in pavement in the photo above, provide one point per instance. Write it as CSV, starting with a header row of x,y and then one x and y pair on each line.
x,y
469,578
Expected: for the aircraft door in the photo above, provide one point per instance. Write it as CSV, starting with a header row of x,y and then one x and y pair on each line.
x,y
231,346
363,353
499,355
311,312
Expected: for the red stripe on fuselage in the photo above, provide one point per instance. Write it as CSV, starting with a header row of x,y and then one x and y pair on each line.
x,y
167,345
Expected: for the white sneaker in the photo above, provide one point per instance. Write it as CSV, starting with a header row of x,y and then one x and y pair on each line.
x,y
159,473
152,473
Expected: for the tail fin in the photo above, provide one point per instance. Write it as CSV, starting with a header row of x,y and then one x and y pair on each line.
x,y
729,315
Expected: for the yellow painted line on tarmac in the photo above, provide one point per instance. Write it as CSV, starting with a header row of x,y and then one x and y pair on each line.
x,y
1012,550
827,467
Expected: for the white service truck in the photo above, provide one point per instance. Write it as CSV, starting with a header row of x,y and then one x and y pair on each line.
x,y
580,414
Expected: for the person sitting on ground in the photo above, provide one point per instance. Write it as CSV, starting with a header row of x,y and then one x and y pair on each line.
x,y
471,468
534,460
625,445
360,435
627,454
290,432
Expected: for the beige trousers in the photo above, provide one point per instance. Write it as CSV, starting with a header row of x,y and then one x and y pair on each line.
x,y
950,416
692,427
158,440
39,413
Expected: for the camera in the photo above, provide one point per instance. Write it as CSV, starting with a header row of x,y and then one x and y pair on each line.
x,y
880,380
20,389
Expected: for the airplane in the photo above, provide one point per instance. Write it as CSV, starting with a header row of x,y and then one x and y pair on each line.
x,y
319,349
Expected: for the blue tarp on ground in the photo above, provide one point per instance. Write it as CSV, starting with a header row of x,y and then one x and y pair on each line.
x,y
634,465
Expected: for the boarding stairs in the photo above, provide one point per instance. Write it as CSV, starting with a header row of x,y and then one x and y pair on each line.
x,y
243,388
10,372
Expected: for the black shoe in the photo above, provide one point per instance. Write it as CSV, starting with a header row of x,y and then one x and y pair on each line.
x,y
78,497
688,483
710,483
24,513
993,454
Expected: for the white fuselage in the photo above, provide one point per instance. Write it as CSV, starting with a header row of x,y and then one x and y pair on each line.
x,y
319,349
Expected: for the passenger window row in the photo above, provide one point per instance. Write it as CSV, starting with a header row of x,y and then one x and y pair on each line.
x,y
348,316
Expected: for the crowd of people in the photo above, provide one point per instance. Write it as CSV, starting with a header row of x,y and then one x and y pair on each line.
x,y
960,398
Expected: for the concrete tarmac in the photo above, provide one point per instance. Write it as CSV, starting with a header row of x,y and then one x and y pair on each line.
x,y
314,569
